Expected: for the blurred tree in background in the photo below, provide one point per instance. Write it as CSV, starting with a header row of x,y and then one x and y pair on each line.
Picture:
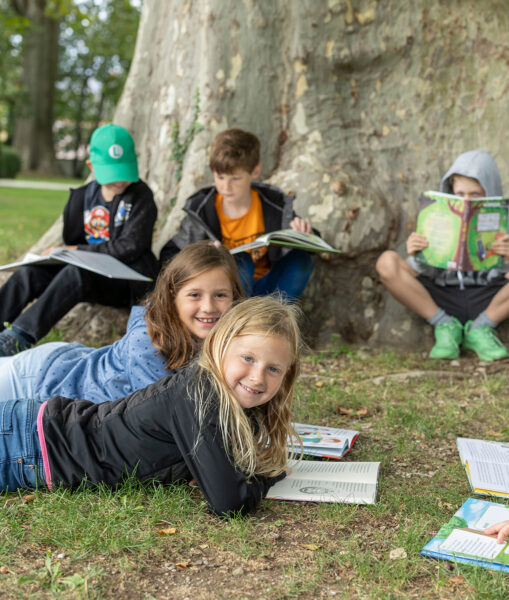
x,y
63,64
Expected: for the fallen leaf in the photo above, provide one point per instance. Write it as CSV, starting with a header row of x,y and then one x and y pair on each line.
x,y
167,531
344,411
457,579
319,384
397,553
310,546
28,498
362,412
185,564
4,570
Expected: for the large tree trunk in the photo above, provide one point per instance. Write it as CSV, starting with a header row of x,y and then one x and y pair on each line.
x,y
33,137
359,106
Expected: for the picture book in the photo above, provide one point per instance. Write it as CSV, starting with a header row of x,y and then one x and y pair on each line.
x,y
460,232
320,481
102,264
290,238
487,465
462,538
322,441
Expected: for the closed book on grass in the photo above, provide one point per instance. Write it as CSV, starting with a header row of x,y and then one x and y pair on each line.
x,y
460,232
289,238
462,538
486,464
318,481
101,264
327,442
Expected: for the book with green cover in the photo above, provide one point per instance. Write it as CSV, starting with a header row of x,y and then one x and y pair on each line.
x,y
462,538
460,232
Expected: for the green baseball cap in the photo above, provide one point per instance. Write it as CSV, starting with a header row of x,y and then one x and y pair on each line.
x,y
112,155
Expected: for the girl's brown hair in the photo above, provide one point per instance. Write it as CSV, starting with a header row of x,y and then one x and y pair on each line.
x,y
168,334
265,452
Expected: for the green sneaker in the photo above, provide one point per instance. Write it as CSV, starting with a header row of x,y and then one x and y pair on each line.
x,y
447,340
484,342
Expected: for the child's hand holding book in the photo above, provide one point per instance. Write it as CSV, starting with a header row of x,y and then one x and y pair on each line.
x,y
415,243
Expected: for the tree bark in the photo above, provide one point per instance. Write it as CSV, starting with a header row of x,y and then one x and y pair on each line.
x,y
359,107
33,137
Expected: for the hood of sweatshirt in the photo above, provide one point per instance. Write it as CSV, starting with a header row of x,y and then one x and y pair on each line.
x,y
476,164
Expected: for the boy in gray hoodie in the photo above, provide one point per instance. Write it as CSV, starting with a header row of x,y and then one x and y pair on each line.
x,y
464,309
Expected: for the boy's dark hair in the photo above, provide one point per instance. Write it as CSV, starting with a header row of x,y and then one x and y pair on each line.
x,y
234,149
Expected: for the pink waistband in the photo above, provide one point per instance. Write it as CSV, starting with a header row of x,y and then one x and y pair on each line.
x,y
44,450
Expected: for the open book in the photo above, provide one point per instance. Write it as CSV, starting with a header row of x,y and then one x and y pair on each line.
x,y
487,465
460,232
327,442
102,264
462,540
290,238
318,481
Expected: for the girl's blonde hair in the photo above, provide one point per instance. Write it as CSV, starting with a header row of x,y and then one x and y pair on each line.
x,y
257,438
167,332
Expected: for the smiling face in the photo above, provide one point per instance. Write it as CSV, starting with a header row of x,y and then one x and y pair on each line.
x,y
255,366
202,300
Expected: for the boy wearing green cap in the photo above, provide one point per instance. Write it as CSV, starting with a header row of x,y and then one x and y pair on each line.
x,y
115,214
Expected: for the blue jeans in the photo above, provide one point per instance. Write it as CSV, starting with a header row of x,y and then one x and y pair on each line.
x,y
19,373
21,463
289,275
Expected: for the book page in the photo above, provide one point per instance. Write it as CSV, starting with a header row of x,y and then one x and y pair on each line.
x,y
493,514
472,544
323,491
314,436
489,476
102,264
489,221
359,472
471,449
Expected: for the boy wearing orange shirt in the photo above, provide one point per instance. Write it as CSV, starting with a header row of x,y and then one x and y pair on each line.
x,y
236,210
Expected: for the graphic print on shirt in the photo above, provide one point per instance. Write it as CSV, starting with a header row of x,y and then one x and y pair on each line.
x,y
97,223
122,214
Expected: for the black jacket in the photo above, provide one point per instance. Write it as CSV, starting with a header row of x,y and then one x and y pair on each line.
x,y
201,221
131,240
152,433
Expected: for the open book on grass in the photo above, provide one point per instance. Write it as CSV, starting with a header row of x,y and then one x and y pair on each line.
x,y
290,238
487,465
462,540
319,481
460,232
102,264
328,442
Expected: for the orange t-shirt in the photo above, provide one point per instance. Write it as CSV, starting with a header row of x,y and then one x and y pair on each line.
x,y
244,229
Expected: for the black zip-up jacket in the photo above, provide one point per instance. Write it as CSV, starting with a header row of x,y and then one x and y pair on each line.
x,y
151,433
201,221
131,240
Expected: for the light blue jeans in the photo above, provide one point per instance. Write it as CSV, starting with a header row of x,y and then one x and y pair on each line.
x,y
21,464
19,373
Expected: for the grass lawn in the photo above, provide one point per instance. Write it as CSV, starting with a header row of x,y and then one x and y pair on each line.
x,y
25,215
91,544
103,544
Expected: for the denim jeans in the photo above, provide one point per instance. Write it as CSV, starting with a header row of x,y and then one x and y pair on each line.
x,y
289,275
57,290
21,464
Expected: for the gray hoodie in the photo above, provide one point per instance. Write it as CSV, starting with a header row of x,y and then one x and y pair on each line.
x,y
479,165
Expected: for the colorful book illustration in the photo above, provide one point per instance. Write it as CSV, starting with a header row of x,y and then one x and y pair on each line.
x,y
290,238
487,465
99,263
328,442
319,481
462,538
460,232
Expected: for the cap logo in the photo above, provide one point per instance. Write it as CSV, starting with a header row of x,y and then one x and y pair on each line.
x,y
115,151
